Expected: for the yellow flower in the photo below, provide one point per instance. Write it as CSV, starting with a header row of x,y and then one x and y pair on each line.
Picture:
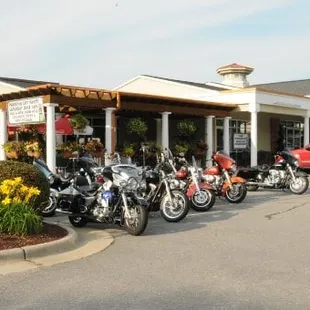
x,y
18,180
4,189
24,189
34,191
6,201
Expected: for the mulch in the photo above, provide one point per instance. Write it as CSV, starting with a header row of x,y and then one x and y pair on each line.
x,y
49,233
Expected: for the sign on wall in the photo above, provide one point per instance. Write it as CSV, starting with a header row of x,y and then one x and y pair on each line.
x,y
26,111
241,141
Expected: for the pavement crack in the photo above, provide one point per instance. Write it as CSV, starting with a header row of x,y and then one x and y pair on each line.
x,y
271,215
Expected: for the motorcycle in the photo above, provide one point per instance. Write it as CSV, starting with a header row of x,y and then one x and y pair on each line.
x,y
200,194
114,202
163,192
59,183
282,174
224,182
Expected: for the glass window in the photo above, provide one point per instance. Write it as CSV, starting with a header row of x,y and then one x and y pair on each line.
x,y
293,133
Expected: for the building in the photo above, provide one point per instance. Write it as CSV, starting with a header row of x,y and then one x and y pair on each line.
x,y
243,120
273,115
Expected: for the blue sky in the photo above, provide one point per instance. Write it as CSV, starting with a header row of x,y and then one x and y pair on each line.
x,y
103,43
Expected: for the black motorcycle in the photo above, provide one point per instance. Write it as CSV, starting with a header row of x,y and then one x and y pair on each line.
x,y
163,193
114,202
281,175
58,183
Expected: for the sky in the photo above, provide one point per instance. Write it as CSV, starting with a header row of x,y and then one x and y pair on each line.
x,y
104,43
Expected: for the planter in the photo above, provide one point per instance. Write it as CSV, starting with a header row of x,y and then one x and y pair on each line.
x,y
69,154
126,160
96,154
12,154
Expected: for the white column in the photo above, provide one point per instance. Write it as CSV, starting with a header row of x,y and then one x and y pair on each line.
x,y
50,136
306,128
226,135
254,109
3,133
209,139
165,130
108,129
158,131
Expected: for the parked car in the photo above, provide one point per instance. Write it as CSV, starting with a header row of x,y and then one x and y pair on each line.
x,y
303,156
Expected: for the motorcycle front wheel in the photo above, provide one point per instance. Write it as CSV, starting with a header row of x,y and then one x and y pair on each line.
x,y
203,201
136,224
175,210
50,208
300,185
236,193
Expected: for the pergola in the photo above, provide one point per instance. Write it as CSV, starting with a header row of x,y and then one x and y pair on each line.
x,y
57,96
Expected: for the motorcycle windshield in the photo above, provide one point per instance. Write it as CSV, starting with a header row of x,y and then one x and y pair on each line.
x,y
127,171
41,165
127,176
288,157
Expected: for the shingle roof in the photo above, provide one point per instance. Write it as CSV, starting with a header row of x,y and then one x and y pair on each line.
x,y
202,85
22,82
298,87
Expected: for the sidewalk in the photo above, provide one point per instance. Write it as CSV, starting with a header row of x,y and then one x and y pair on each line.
x,y
79,243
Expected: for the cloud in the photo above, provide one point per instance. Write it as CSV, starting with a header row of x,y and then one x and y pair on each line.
x,y
103,43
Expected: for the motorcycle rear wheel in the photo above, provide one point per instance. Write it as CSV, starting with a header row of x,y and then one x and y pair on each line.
x,y
204,201
78,221
300,185
237,193
176,210
137,224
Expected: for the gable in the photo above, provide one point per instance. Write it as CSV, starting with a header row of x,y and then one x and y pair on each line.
x,y
6,88
163,87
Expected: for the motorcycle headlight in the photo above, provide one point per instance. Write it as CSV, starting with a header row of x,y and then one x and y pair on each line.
x,y
233,168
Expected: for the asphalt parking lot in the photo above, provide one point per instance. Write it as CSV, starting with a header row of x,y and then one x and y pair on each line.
x,y
253,255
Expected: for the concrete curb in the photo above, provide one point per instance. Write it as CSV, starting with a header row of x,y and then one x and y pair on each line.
x,y
53,247
64,244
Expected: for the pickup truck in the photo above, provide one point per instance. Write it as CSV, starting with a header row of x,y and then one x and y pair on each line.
x,y
303,156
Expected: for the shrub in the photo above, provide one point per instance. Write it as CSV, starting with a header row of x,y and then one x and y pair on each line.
x,y
31,176
187,128
137,126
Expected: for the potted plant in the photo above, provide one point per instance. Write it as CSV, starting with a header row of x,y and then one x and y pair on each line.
x,y
79,121
187,128
181,147
70,149
33,149
95,148
137,126
200,149
13,149
127,152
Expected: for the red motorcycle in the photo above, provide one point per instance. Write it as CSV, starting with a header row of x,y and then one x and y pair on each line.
x,y
221,177
200,194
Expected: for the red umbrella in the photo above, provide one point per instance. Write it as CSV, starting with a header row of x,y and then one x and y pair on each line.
x,y
62,126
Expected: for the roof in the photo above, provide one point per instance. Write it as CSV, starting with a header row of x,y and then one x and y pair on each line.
x,y
298,87
234,68
64,94
201,85
22,82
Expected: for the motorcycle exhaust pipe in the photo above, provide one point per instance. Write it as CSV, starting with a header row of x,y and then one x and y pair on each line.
x,y
63,212
259,184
